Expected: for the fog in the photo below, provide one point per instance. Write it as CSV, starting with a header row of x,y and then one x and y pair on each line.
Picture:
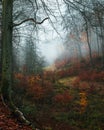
x,y
56,43
51,41
51,48
50,51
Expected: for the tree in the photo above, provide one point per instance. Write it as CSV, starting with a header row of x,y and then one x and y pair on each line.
x,y
7,56
0,58
98,23
32,58
7,30
91,21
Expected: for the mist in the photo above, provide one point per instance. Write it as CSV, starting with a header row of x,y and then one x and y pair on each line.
x,y
51,64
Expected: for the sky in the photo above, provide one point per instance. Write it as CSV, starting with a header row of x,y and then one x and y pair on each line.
x,y
51,50
51,45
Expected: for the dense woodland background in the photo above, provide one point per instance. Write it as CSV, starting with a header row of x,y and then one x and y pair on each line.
x,y
66,94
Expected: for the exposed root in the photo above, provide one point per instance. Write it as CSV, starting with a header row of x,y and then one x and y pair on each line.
x,y
15,111
20,117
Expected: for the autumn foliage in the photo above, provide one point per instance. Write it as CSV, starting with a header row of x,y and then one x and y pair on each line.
x,y
67,102
63,98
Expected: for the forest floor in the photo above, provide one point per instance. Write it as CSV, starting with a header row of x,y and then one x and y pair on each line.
x,y
70,98
7,122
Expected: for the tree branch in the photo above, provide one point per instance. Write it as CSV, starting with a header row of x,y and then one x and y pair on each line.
x,y
29,19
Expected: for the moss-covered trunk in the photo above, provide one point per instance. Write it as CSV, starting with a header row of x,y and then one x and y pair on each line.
x,y
6,87
7,9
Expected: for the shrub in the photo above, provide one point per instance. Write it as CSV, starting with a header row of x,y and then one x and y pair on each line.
x,y
63,98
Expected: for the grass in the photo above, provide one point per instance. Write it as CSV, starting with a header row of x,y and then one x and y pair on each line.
x,y
67,81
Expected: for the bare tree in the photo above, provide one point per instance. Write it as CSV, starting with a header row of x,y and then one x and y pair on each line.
x,y
7,55
91,21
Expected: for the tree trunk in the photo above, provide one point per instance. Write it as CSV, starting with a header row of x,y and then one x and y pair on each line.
x,y
7,51
89,46
6,86
97,38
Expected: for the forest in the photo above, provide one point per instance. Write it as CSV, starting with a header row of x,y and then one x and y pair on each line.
x,y
51,64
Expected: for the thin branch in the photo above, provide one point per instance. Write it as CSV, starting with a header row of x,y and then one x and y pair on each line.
x,y
50,21
29,19
59,9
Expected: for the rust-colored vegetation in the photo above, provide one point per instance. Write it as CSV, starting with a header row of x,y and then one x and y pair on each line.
x,y
50,104
47,101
